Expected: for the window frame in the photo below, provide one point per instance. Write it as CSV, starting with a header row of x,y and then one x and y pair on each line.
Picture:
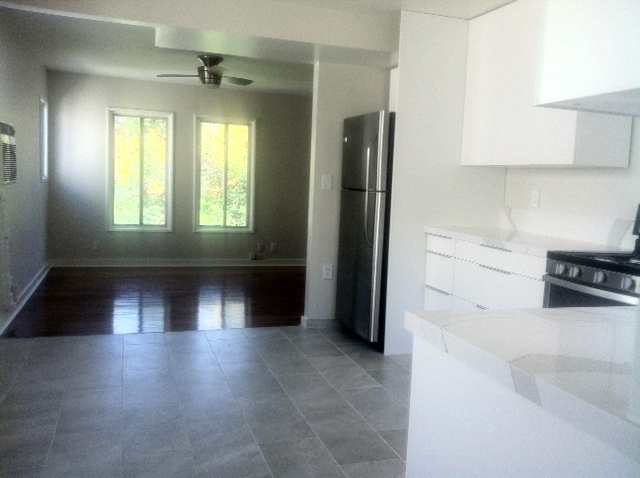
x,y
169,116
44,140
249,228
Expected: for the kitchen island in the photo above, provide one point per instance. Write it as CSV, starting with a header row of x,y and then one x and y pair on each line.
x,y
525,392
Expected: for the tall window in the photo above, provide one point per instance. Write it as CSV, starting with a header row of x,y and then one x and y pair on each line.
x,y
224,192
140,170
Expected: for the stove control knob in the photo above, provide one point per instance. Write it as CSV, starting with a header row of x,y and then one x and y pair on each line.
x,y
575,272
599,277
628,283
561,269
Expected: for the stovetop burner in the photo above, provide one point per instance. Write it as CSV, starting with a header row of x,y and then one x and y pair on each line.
x,y
623,262
622,259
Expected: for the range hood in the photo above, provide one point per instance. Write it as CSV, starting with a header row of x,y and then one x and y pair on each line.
x,y
625,103
589,56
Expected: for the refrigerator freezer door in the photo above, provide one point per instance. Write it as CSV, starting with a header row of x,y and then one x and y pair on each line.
x,y
360,262
364,152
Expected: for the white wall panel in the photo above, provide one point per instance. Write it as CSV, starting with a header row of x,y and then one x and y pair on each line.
x,y
23,204
430,186
340,91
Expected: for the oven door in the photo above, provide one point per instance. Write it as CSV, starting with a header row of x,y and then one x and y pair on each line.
x,y
564,293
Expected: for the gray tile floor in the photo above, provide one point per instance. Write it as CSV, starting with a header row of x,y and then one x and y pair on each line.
x,y
277,402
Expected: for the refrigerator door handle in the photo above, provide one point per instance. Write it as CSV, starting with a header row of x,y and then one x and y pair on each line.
x,y
366,220
367,188
376,282
367,183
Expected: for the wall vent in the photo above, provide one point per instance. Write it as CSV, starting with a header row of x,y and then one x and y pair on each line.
x,y
8,142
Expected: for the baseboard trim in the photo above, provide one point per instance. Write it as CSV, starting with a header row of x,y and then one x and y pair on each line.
x,y
176,262
318,323
25,296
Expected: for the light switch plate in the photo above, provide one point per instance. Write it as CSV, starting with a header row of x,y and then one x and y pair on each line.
x,y
327,181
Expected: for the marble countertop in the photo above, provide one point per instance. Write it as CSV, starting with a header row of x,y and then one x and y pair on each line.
x,y
580,364
517,241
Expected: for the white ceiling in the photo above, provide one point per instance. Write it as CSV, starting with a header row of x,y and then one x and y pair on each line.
x,y
130,51
466,9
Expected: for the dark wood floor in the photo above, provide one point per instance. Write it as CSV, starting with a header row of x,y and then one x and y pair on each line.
x,y
92,301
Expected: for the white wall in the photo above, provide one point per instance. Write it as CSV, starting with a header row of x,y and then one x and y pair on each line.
x,y
339,91
429,185
23,204
78,198
584,199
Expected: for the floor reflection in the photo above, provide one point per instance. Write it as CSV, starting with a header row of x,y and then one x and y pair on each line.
x,y
138,312
216,310
87,301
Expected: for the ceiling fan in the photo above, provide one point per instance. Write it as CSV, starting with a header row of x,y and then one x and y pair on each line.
x,y
211,73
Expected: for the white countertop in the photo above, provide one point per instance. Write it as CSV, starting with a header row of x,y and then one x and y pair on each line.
x,y
580,364
517,241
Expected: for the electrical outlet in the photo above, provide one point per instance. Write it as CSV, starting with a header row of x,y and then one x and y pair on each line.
x,y
273,247
535,199
327,272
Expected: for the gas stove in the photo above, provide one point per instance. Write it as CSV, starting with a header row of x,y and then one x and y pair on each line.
x,y
582,278
619,272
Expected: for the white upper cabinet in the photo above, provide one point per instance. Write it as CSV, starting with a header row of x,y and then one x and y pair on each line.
x,y
590,55
502,125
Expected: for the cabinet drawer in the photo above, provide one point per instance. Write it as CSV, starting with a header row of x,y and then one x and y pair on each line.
x,y
495,289
435,299
503,259
441,244
521,293
514,292
458,303
439,271
468,282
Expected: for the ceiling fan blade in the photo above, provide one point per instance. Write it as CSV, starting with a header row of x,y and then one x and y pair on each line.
x,y
236,81
210,72
217,70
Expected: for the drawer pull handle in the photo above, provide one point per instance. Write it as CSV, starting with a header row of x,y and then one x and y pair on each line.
x,y
435,289
497,248
440,254
495,270
481,307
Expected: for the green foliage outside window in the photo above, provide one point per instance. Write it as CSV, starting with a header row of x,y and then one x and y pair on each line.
x,y
139,171
224,175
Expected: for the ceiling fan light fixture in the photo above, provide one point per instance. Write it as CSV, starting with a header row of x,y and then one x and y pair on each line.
x,y
210,60
207,77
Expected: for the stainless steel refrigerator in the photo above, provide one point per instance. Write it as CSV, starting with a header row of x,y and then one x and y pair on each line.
x,y
364,224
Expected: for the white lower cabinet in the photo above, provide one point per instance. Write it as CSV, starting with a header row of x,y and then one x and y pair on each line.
x,y
436,299
439,273
458,303
481,276
495,288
